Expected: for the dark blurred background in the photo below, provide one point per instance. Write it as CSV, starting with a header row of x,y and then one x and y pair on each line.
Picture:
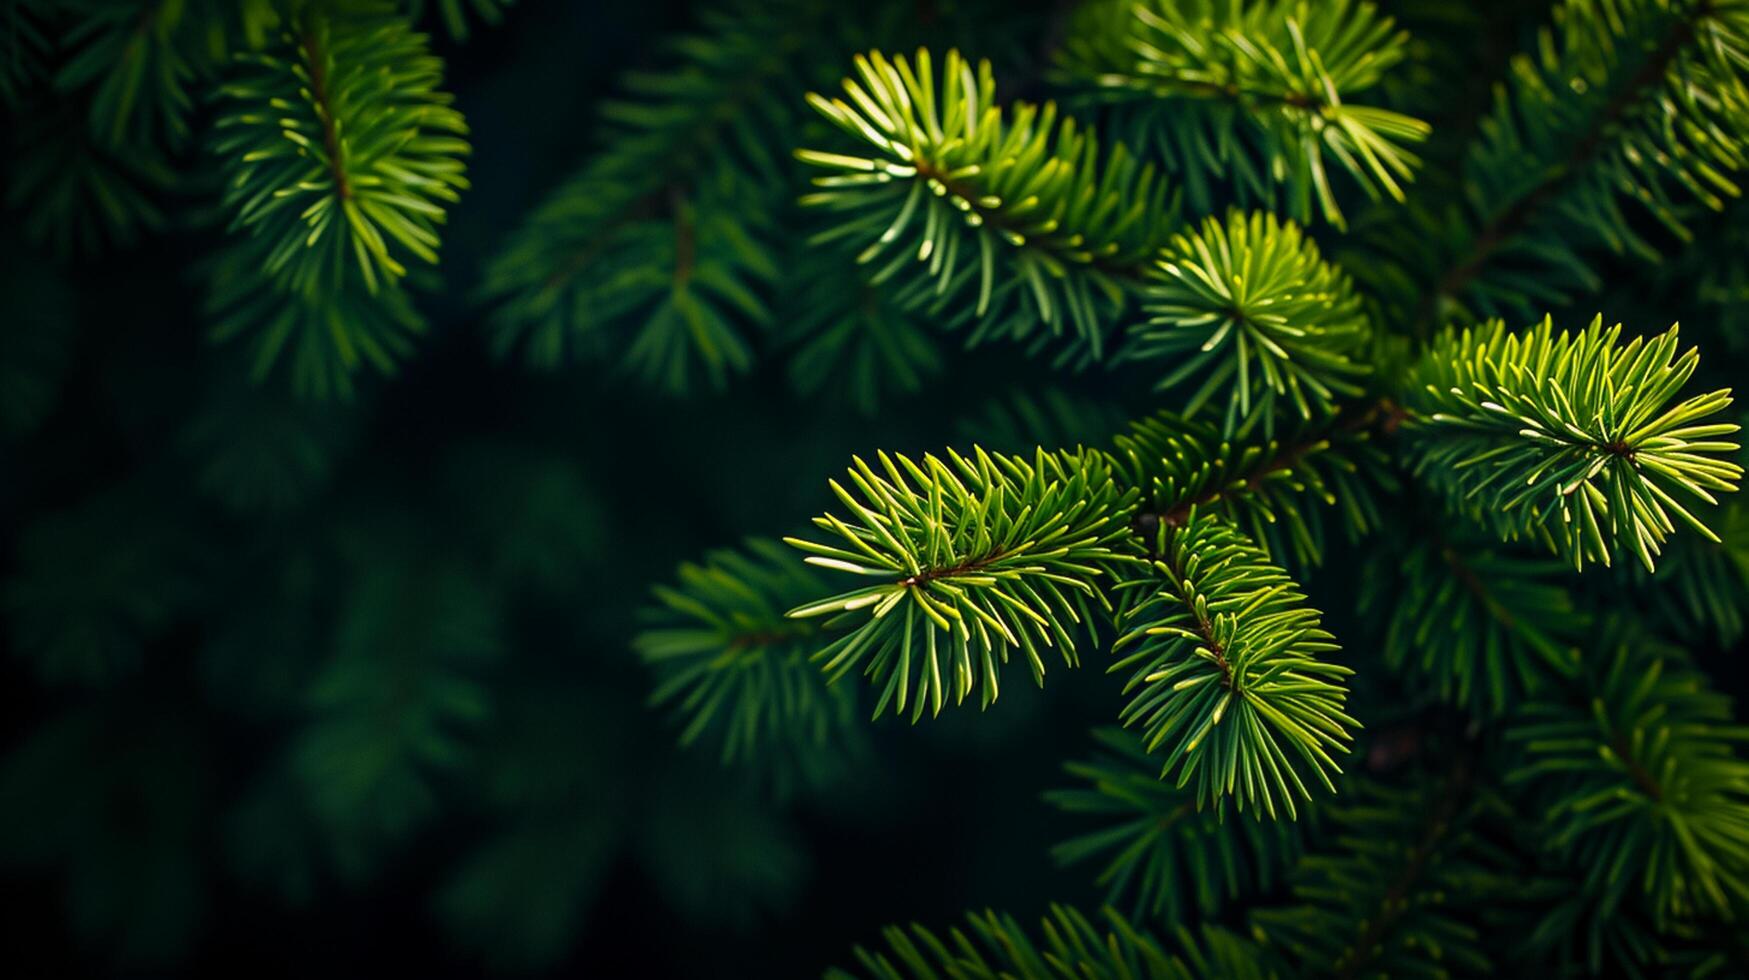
x,y
350,690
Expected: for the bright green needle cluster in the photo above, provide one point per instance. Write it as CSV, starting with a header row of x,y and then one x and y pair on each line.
x,y
1248,311
1226,674
1269,98
1569,439
979,558
1014,220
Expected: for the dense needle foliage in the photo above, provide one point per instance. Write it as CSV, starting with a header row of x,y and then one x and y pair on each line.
x,y
410,413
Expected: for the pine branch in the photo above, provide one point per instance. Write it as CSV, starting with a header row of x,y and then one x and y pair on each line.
x,y
1566,438
321,341
659,251
340,151
1479,626
137,61
1507,223
340,154
136,66
1226,670
849,340
952,174
1410,861
1643,787
1642,99
1259,95
1554,919
980,557
735,670
1261,317
1275,490
78,195
1072,948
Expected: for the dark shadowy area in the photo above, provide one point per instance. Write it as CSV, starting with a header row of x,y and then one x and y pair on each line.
x,y
939,819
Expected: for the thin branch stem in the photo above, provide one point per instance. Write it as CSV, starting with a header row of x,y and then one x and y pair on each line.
x,y
1505,224
331,143
1395,902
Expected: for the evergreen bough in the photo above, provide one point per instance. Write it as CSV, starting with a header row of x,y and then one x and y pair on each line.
x,y
1228,205
1306,390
